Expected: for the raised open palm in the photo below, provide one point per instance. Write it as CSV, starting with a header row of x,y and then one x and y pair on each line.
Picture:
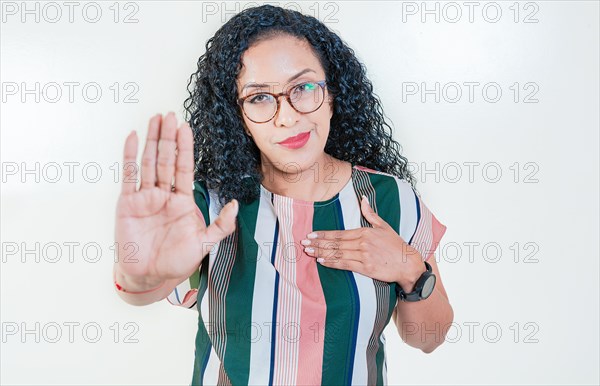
x,y
160,232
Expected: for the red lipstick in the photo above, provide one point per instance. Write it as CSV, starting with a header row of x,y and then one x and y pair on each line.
x,y
297,141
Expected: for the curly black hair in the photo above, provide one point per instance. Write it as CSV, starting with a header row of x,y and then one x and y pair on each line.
x,y
226,158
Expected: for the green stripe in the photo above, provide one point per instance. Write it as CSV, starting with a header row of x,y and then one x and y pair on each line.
x,y
342,310
199,279
239,297
200,194
203,346
387,199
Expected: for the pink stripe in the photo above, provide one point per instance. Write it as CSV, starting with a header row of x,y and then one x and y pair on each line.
x,y
314,309
190,297
366,169
290,298
438,232
428,233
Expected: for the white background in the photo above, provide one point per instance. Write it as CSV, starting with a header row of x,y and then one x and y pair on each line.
x,y
546,310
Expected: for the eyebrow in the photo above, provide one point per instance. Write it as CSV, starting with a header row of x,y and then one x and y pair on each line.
x,y
289,80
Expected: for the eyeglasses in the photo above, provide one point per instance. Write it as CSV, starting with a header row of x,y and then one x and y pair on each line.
x,y
305,98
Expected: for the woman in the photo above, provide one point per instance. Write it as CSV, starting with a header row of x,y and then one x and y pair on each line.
x,y
296,277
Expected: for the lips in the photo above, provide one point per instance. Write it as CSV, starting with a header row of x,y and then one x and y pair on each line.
x,y
297,138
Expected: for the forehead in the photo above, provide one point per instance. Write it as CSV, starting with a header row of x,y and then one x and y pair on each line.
x,y
277,59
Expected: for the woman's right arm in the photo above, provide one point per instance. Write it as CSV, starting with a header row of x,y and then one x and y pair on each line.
x,y
160,221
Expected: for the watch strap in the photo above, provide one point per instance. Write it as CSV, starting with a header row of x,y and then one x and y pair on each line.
x,y
415,295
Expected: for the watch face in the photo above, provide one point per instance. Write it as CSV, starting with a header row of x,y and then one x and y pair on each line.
x,y
428,287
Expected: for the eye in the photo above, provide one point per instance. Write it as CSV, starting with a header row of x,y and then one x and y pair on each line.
x,y
308,86
260,98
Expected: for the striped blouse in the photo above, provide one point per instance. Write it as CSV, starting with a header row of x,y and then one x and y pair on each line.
x,y
269,314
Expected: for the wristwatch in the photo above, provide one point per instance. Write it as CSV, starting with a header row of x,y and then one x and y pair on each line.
x,y
423,287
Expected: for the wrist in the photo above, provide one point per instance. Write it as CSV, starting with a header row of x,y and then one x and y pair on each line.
x,y
134,285
412,275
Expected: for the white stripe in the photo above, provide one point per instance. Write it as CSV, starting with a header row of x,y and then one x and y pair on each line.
x,y
213,212
366,292
289,307
408,209
182,289
211,375
264,287
418,238
384,371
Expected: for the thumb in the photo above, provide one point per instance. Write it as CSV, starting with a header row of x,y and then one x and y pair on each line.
x,y
224,224
369,213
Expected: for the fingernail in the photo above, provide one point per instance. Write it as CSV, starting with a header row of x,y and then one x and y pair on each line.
x,y
312,235
320,260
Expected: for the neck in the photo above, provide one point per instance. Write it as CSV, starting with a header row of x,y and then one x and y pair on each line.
x,y
316,182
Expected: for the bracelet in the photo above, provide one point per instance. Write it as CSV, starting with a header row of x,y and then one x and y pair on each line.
x,y
120,288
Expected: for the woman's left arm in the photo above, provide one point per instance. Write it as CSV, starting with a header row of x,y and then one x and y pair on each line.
x,y
424,324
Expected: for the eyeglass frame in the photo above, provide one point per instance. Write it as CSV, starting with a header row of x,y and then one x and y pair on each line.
x,y
241,101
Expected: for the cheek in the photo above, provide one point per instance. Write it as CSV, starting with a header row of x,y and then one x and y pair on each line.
x,y
250,129
261,141
323,121
325,113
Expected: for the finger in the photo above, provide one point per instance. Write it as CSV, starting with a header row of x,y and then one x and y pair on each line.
x,y
348,265
333,254
348,245
165,168
346,234
223,225
149,156
184,172
369,214
130,168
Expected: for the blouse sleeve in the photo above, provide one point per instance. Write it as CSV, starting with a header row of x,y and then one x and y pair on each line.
x,y
185,294
418,226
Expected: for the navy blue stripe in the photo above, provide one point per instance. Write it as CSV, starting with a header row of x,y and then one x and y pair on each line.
x,y
205,361
276,292
418,217
352,282
352,353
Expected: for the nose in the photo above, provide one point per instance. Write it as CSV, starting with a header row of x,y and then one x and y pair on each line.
x,y
287,115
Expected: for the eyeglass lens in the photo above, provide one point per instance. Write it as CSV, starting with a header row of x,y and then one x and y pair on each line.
x,y
305,97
